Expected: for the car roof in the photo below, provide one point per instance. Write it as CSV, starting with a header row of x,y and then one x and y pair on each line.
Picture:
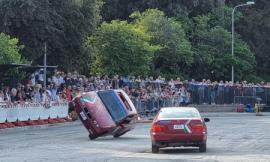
x,y
181,109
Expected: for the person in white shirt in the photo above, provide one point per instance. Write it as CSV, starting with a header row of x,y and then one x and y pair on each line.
x,y
33,80
37,95
41,76
171,84
46,98
159,80
1,96
58,79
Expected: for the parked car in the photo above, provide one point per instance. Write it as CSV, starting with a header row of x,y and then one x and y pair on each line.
x,y
109,112
178,126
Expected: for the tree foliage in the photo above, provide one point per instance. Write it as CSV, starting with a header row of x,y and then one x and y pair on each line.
x,y
254,28
121,9
62,24
9,50
175,53
120,48
212,46
176,37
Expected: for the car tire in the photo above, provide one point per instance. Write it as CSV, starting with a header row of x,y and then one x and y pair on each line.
x,y
120,134
155,149
92,137
202,147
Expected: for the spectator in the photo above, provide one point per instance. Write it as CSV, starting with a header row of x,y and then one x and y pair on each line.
x,y
28,92
46,98
1,96
115,82
142,83
33,80
41,77
121,82
171,84
220,92
178,81
79,91
68,93
37,93
13,96
65,86
6,94
183,96
19,97
54,90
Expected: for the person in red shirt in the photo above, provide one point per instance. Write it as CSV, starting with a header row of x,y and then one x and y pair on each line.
x,y
68,93
19,97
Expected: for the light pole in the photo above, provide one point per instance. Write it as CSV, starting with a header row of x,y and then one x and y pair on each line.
x,y
45,49
45,65
240,5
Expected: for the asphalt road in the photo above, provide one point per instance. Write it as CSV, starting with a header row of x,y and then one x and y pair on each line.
x,y
231,138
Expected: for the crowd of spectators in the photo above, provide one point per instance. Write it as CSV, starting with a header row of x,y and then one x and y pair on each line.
x,y
64,86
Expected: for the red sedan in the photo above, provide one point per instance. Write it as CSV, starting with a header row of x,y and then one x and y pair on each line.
x,y
178,126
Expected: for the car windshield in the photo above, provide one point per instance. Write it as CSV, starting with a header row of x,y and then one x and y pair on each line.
x,y
174,113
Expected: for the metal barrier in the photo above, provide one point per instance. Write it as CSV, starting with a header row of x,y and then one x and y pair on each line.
x,y
214,94
62,110
23,113
152,105
221,95
210,94
252,100
3,115
12,114
44,113
32,111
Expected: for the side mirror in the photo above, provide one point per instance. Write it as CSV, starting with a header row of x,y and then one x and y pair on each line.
x,y
206,120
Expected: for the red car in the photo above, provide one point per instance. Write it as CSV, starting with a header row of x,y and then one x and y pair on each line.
x,y
109,112
178,126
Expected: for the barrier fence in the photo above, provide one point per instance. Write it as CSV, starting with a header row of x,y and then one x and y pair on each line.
x,y
218,94
152,105
32,112
197,95
229,95
245,96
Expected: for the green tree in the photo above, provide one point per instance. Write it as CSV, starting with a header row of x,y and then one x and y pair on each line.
x,y
212,46
121,9
62,24
120,48
254,28
9,50
175,54
222,16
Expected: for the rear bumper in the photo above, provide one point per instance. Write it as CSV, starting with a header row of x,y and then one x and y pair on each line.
x,y
178,143
175,140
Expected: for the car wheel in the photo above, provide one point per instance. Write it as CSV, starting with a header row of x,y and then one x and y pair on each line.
x,y
202,147
120,134
92,137
155,149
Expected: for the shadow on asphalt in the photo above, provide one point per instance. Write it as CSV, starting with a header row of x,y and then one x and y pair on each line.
x,y
111,138
178,150
171,150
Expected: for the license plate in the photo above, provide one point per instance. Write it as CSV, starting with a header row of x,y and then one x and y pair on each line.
x,y
178,126
83,116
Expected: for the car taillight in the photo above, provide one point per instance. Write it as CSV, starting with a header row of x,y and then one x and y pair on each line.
x,y
156,128
198,128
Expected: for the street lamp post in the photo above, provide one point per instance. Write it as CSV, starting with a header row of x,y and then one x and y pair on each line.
x,y
45,65
45,50
240,5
